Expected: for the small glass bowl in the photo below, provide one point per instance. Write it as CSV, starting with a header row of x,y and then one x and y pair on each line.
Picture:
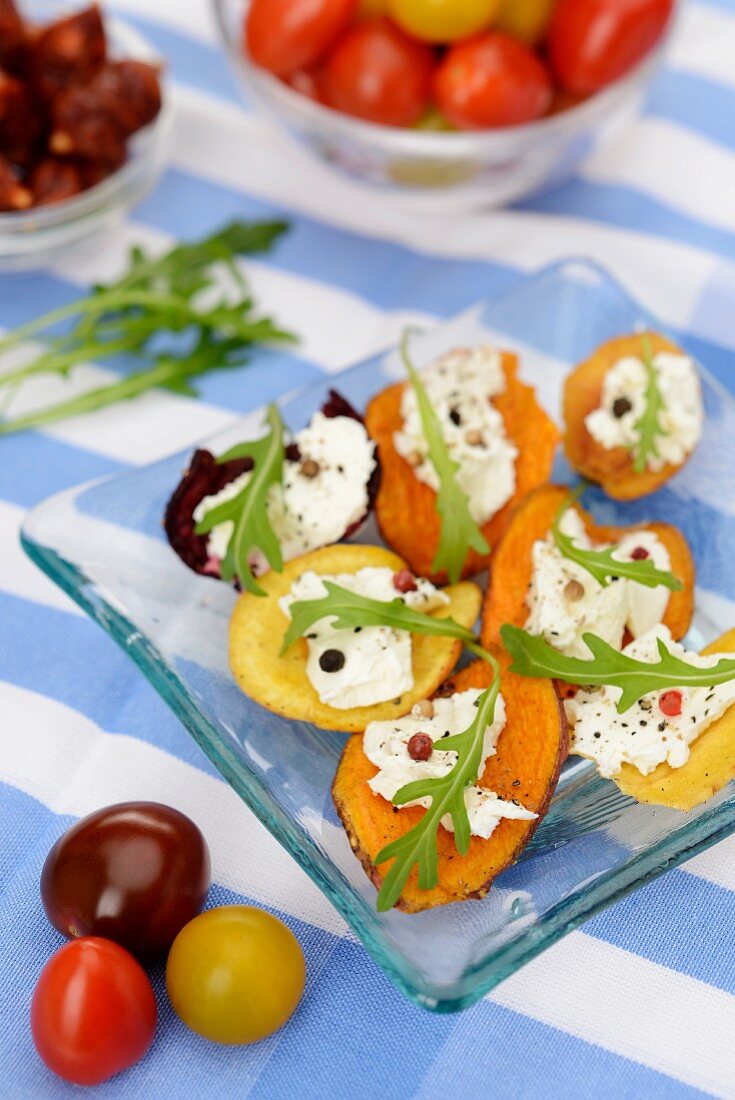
x,y
437,170
35,237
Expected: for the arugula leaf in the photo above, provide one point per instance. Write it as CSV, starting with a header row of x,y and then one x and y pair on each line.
x,y
532,656
349,609
418,847
459,532
168,312
248,510
648,425
602,565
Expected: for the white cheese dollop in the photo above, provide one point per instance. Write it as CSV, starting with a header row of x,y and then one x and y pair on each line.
x,y
558,613
385,745
681,417
644,736
461,386
309,512
377,659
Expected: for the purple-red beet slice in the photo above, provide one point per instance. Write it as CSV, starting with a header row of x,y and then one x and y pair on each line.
x,y
206,477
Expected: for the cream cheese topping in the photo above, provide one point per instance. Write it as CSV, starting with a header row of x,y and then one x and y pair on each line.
x,y
374,661
461,386
644,736
307,512
681,417
386,746
565,601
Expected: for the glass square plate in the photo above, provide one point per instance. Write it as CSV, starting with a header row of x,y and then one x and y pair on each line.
x,y
103,544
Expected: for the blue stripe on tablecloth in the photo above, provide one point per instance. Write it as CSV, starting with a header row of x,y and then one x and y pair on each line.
x,y
676,921
626,208
189,60
689,99
34,466
70,659
379,1044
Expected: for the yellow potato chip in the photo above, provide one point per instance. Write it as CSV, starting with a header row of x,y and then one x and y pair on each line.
x,y
281,684
710,767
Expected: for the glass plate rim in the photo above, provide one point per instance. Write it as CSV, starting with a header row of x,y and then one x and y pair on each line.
x,y
612,886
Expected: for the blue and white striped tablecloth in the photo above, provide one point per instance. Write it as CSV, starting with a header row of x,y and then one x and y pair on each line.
x,y
638,1002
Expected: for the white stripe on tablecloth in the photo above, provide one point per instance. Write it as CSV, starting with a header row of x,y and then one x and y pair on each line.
x,y
244,152
705,44
583,986
18,575
676,166
631,1006
70,765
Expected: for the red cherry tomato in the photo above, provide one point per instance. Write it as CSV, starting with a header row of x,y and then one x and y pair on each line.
x,y
286,35
135,873
378,73
591,43
93,1012
493,80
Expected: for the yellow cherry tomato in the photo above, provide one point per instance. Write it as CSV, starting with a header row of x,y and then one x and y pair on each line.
x,y
526,19
235,974
443,20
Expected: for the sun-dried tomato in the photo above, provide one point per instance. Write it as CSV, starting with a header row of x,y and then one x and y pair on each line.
x,y
130,91
83,127
53,180
69,51
12,37
13,195
20,121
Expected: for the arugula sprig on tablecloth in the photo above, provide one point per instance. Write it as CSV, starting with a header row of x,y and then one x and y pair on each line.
x,y
601,564
173,314
248,511
648,425
459,533
534,657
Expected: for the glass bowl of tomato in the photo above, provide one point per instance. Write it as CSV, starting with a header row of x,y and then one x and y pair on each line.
x,y
447,104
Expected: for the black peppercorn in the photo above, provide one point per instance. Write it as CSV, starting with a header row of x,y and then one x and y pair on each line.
x,y
332,660
621,405
455,417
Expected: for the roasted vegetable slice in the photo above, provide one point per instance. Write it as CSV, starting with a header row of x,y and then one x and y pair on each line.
x,y
280,683
710,767
512,564
529,755
205,476
406,507
613,468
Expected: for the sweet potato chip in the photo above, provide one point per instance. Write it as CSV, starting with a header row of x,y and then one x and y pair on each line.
x,y
406,507
611,468
710,767
530,751
512,569
281,684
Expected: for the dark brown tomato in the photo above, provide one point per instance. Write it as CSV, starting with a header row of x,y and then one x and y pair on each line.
x,y
134,873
